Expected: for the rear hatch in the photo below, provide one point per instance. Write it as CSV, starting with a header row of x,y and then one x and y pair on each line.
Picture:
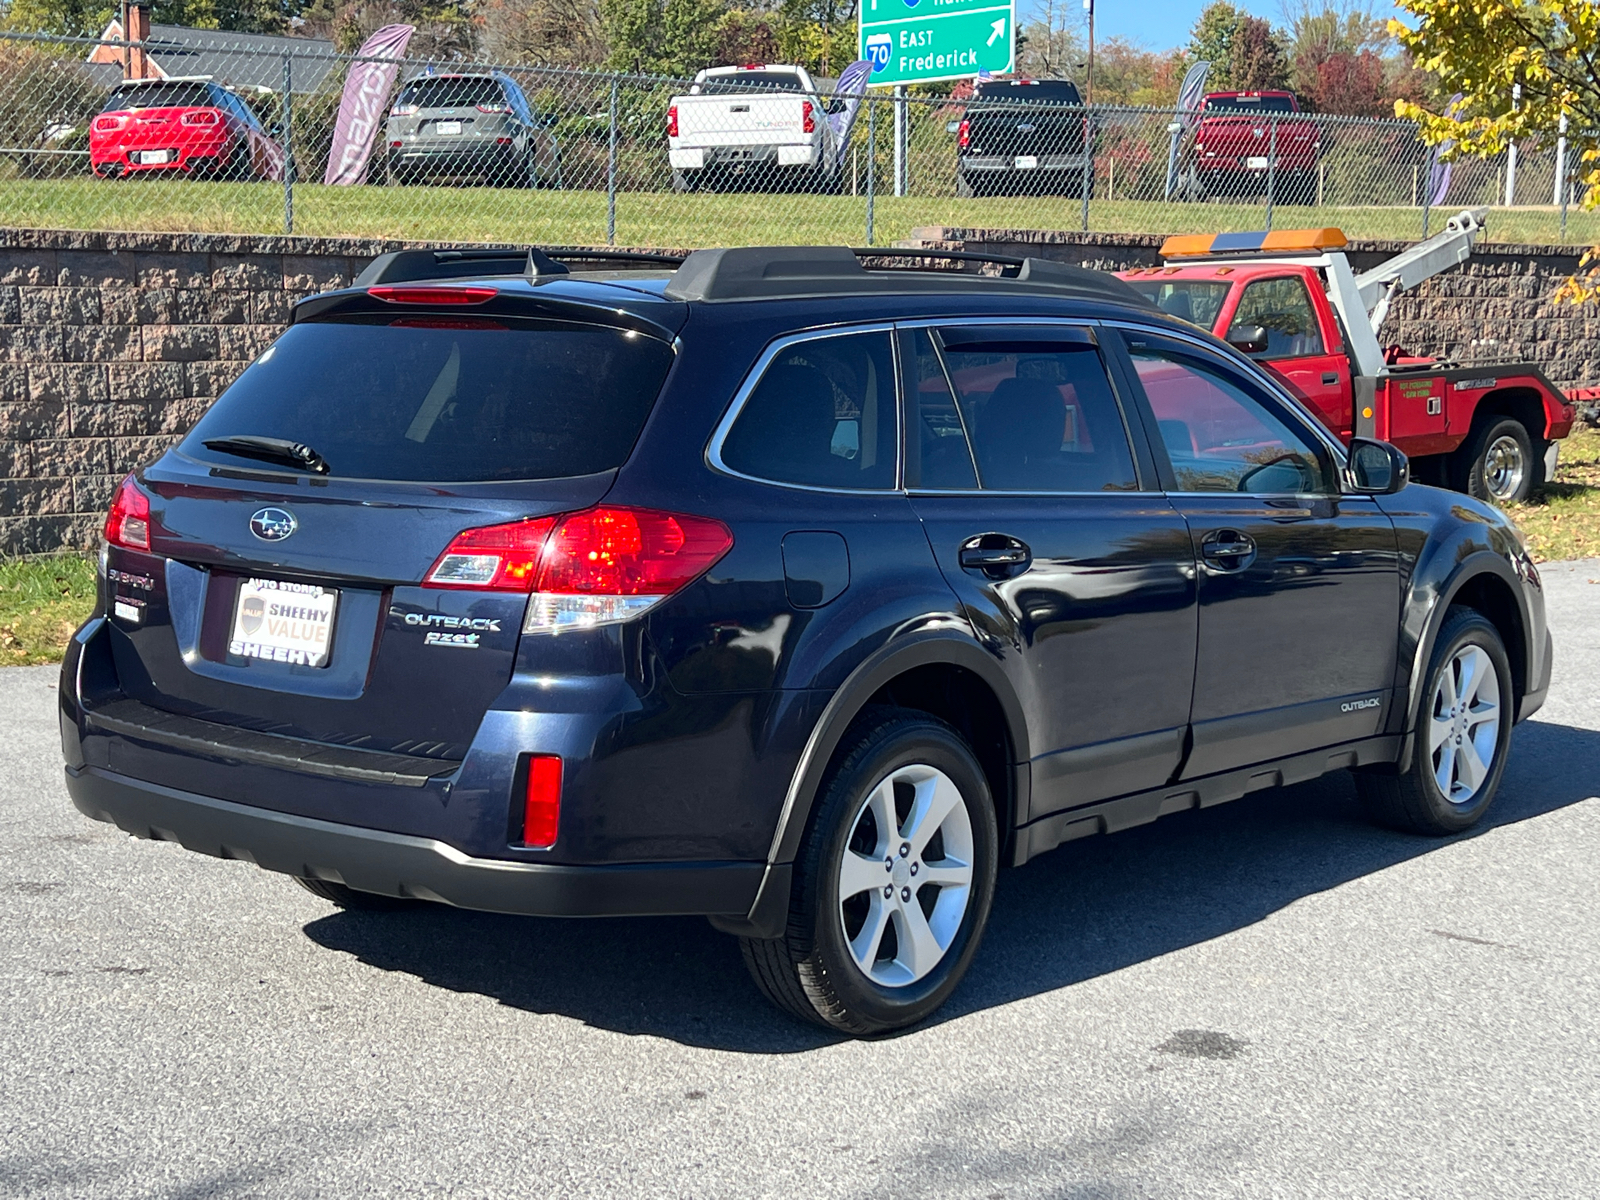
x,y
1019,120
450,108
290,600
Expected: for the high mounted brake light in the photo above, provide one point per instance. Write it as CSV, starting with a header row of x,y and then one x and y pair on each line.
x,y
128,522
433,295
587,568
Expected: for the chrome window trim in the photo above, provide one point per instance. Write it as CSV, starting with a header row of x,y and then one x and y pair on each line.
x,y
713,452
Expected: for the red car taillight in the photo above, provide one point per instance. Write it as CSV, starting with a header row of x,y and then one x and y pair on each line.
x,y
128,522
585,568
964,133
541,805
433,295
808,118
494,108
203,116
108,124
672,121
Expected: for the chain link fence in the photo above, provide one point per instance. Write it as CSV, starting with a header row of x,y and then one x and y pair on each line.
x,y
238,139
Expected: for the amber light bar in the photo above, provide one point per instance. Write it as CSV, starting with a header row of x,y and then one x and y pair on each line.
x,y
1260,241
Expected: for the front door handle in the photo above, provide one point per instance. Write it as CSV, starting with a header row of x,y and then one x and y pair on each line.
x,y
1228,550
1330,377
997,555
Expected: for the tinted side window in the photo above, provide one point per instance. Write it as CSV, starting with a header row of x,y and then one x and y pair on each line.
x,y
823,414
1042,416
944,458
1283,308
1220,435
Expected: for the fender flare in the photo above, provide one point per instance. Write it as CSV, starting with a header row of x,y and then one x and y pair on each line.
x,y
944,647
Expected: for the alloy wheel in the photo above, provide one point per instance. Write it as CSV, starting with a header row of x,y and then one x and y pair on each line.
x,y
906,874
1504,465
1464,731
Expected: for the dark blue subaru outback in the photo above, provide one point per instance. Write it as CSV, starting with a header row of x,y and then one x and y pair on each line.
x,y
791,588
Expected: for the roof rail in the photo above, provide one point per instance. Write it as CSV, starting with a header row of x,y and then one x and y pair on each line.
x,y
405,266
770,272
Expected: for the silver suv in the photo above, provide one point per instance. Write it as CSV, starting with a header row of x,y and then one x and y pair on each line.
x,y
478,127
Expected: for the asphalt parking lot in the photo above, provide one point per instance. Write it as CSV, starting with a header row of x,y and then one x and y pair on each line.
x,y
1265,999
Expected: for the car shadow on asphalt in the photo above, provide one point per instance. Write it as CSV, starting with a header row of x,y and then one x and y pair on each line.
x,y
1087,909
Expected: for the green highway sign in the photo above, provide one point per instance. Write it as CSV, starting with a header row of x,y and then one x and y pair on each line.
x,y
916,41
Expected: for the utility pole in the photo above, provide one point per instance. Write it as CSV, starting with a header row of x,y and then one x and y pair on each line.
x,y
1088,7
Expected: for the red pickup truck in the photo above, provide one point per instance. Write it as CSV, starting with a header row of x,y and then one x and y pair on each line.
x,y
1239,137
1291,302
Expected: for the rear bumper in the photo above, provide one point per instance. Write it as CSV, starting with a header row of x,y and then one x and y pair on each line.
x,y
394,864
977,164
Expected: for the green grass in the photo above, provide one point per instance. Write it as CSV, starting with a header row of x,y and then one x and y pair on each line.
x,y
668,220
42,600
1562,520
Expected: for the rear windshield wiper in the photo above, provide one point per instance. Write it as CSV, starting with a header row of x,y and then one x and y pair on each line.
x,y
270,449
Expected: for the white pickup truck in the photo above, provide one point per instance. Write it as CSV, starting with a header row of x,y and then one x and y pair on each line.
x,y
753,128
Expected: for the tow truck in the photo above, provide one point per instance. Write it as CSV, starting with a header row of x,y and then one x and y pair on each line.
x,y
1290,300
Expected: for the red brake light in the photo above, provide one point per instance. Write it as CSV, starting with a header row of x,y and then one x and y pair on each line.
x,y
128,523
109,124
672,121
203,116
433,295
808,119
541,810
964,134
586,568
494,108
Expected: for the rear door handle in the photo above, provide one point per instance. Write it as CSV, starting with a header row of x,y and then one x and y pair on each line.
x,y
1330,377
997,555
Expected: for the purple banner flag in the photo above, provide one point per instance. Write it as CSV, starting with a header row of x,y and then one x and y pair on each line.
x,y
366,97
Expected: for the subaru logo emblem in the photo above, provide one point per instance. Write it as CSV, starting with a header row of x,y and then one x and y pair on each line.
x,y
273,524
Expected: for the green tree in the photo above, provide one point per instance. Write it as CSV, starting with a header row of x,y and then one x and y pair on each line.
x,y
661,37
1211,40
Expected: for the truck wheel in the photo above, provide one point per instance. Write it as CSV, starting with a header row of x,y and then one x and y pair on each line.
x,y
1463,730
349,898
1497,464
893,882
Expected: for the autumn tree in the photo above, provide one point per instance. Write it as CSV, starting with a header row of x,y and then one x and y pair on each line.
x,y
1245,53
1520,67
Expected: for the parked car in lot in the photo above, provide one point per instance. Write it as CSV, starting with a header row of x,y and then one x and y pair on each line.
x,y
760,127
181,127
480,127
1242,135
775,589
1025,137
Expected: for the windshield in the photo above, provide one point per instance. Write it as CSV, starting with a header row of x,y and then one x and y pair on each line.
x,y
159,95
452,92
446,399
728,85
1253,104
1191,299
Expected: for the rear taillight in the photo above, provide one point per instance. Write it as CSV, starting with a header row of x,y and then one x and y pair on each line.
x,y
433,295
964,133
541,806
494,108
403,110
128,522
109,124
586,568
672,121
204,116
808,117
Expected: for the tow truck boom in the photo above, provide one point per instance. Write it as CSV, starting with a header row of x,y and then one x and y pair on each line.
x,y
1423,261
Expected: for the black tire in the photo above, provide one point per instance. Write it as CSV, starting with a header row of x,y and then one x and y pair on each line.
x,y
349,898
810,972
1484,463
1413,800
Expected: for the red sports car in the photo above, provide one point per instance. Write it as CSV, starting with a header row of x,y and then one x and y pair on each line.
x,y
187,126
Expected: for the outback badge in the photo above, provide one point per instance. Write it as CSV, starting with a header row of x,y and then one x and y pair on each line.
x,y
273,524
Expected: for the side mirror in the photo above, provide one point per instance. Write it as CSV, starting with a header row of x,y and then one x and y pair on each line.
x,y
952,126
1252,339
1377,468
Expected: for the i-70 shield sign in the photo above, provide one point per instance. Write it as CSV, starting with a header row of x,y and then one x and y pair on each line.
x,y
915,41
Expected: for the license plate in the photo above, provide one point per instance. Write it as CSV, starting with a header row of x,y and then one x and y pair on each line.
x,y
1027,162
448,127
1256,163
283,622
151,157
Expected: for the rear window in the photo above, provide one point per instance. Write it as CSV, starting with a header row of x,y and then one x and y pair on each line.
x,y
1054,92
1277,104
438,403
160,95
726,85
452,93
